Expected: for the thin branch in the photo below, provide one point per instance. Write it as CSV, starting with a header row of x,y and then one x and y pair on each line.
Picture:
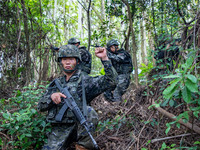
x,y
171,137
177,4
97,13
82,5
138,138
5,135
189,125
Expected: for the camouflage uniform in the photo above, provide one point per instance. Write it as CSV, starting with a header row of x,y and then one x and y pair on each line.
x,y
68,130
86,57
122,62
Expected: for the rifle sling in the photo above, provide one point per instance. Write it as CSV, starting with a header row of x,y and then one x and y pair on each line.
x,y
84,97
61,113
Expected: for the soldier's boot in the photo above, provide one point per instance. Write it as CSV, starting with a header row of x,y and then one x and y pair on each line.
x,y
108,96
117,96
79,147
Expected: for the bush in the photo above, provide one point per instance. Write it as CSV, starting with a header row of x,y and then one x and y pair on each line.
x,y
21,122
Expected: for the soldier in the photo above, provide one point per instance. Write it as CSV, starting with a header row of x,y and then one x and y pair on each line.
x,y
83,88
85,55
122,62
166,53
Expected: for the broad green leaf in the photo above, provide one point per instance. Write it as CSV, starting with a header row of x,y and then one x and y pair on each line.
x,y
165,103
191,86
33,111
168,128
169,89
185,115
178,125
168,96
196,114
186,95
192,78
164,145
171,103
18,93
28,135
6,115
172,76
1,143
197,142
22,136
189,62
195,108
16,127
173,145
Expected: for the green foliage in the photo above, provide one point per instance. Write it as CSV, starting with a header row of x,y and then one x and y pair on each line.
x,y
21,120
145,69
111,124
171,147
183,85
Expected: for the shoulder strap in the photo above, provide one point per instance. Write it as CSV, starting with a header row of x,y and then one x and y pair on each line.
x,y
84,97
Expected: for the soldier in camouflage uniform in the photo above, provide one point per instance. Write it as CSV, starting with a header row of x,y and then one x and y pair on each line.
x,y
68,130
122,62
85,55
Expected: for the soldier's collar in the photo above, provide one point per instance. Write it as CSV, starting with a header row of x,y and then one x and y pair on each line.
x,y
75,76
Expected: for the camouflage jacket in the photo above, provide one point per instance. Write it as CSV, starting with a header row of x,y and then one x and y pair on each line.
x,y
86,60
94,86
121,61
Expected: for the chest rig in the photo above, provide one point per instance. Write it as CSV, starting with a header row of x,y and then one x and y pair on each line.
x,y
76,88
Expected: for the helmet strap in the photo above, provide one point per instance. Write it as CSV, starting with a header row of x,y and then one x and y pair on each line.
x,y
116,47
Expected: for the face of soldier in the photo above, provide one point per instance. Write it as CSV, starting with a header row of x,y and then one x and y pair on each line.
x,y
77,44
69,63
114,48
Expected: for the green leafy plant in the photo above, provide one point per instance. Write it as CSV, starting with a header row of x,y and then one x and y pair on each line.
x,y
21,121
145,69
186,85
111,124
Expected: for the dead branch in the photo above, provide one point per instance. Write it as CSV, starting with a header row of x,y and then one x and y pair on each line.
x,y
193,127
166,138
5,135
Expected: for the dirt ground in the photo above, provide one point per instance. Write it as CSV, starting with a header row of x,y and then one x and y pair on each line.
x,y
132,124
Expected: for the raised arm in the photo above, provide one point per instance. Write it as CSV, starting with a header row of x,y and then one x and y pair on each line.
x,y
97,85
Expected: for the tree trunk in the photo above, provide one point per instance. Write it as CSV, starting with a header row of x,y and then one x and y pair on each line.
x,y
102,9
65,23
45,66
133,43
143,47
27,46
151,45
18,39
80,25
89,26
127,39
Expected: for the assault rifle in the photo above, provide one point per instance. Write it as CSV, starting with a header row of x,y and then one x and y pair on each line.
x,y
96,46
71,104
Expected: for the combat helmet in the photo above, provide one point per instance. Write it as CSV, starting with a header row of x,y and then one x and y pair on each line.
x,y
73,41
69,51
112,42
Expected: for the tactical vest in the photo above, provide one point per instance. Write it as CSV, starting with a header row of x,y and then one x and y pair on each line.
x,y
126,67
73,86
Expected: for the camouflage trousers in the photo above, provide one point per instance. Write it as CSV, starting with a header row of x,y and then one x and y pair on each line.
x,y
116,95
62,135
